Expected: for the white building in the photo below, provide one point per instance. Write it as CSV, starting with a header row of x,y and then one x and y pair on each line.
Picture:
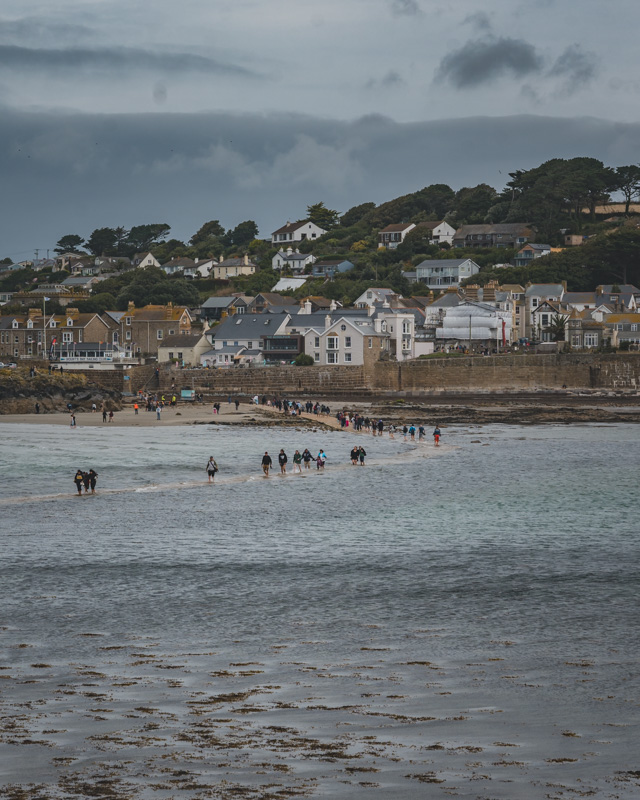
x,y
440,232
475,323
393,235
446,272
296,232
292,259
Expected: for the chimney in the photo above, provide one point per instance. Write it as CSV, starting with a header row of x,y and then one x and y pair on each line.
x,y
131,306
34,312
333,305
196,260
306,307
245,260
327,320
371,310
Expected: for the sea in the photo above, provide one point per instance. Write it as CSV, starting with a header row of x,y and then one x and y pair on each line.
x,y
442,622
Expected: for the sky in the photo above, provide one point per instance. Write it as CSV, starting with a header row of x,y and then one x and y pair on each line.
x,y
125,113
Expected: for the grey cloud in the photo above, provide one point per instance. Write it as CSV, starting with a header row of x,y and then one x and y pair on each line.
x,y
111,61
188,168
32,30
576,67
409,8
483,60
388,81
480,20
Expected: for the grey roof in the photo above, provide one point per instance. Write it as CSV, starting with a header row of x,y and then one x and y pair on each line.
x,y
579,297
446,300
294,256
185,340
78,281
536,246
218,302
444,262
501,228
226,350
544,288
248,326
624,288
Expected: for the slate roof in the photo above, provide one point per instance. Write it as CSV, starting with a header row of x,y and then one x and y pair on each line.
x,y
444,262
218,302
397,227
184,340
248,326
290,227
508,228
544,289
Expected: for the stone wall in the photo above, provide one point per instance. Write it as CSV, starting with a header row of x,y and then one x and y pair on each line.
x,y
412,378
508,373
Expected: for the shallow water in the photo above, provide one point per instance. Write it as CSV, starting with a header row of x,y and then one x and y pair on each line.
x,y
463,617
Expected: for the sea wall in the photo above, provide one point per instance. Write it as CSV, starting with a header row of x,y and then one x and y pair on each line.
x,y
528,373
509,373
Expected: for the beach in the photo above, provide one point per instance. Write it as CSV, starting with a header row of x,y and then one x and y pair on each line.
x,y
437,623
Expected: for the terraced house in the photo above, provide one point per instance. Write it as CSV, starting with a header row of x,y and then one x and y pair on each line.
x,y
141,331
31,335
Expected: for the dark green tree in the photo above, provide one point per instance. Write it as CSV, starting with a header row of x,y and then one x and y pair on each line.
x,y
211,230
102,242
322,216
142,237
68,244
628,183
473,203
244,233
355,214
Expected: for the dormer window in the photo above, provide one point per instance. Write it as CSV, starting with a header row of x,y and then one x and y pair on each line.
x,y
30,324
52,324
69,322
14,324
127,320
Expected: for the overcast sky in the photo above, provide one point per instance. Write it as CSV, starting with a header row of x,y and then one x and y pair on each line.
x,y
122,113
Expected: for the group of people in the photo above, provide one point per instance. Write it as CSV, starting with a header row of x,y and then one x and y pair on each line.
x,y
86,479
300,461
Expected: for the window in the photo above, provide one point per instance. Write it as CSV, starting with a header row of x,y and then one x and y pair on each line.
x,y
316,356
249,345
69,322
575,340
332,342
406,343
634,327
127,320
343,327
347,341
180,356
545,319
591,340
170,356
235,344
30,324
160,333
347,358
332,358
534,302
114,338
370,342
406,327
67,336
128,336
171,333
317,341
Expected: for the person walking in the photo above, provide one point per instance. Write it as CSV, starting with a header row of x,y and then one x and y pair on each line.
x,y
421,433
436,436
72,423
355,452
104,414
135,408
158,411
322,456
362,455
212,468
79,480
266,463
37,408
237,404
307,457
86,480
380,427
93,477
111,416
297,461
282,460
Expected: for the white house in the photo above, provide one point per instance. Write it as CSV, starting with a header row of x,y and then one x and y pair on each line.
x,y
534,295
238,339
446,272
393,235
440,231
346,340
370,297
145,260
292,259
296,232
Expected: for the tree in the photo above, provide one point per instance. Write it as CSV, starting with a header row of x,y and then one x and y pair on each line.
x,y
355,214
322,216
628,183
102,242
557,326
472,204
303,360
68,244
211,230
244,233
121,240
142,237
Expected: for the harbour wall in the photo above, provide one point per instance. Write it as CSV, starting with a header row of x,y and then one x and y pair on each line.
x,y
498,374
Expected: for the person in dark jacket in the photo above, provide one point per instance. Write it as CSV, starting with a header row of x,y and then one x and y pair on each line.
x,y
282,460
266,463
361,455
79,480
